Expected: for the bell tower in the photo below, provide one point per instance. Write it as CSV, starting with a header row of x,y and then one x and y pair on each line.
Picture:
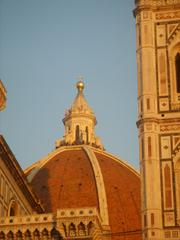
x,y
158,67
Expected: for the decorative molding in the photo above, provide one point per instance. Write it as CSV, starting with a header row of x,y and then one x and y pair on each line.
x,y
169,121
175,106
176,150
176,141
174,33
170,128
169,219
61,221
150,5
167,15
156,3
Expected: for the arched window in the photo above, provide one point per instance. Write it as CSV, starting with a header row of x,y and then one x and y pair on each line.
x,y
81,229
87,135
13,208
36,235
77,134
27,235
55,235
12,212
45,234
2,236
177,62
10,235
19,235
167,185
90,228
72,230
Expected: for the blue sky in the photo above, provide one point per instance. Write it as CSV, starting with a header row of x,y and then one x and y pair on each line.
x,y
44,46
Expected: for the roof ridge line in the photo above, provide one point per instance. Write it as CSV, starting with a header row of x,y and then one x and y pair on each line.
x,y
119,160
100,185
35,167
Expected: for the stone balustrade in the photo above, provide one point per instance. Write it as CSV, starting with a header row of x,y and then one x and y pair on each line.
x,y
78,212
29,219
68,223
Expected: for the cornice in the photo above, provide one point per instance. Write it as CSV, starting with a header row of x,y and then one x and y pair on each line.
x,y
156,120
78,115
156,5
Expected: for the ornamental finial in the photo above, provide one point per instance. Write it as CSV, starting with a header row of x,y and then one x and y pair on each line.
x,y
80,83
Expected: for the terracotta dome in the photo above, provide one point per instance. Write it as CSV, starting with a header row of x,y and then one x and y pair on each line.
x,y
83,176
79,174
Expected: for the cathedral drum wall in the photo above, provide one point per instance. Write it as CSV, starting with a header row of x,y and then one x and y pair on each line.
x,y
158,59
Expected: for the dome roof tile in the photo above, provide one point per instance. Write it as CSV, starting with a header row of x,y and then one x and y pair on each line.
x,y
67,180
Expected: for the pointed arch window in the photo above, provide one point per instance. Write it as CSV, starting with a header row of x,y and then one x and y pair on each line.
x,y
19,235
55,235
81,229
27,235
45,234
2,235
12,212
36,235
177,63
13,208
72,230
10,235
90,228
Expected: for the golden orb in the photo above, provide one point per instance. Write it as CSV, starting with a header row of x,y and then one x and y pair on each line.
x,y
80,85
